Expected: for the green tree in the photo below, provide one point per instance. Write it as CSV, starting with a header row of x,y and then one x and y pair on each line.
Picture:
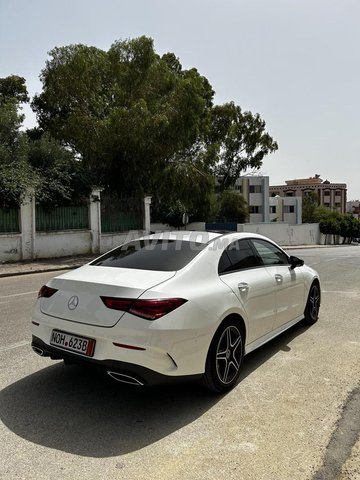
x,y
16,175
238,141
349,228
330,223
13,88
184,181
321,212
140,123
127,111
356,232
233,206
309,206
63,180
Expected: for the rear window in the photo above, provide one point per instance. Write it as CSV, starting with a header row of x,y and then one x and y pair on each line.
x,y
162,255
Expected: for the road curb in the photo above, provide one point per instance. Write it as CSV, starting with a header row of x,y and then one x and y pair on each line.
x,y
39,270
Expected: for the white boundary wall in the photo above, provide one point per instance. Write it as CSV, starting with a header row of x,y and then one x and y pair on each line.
x,y
281,233
285,234
32,245
62,244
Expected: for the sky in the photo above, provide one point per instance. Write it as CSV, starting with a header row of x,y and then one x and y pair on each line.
x,y
295,62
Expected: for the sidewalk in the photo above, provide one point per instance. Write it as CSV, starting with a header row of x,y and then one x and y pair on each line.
x,y
68,263
44,265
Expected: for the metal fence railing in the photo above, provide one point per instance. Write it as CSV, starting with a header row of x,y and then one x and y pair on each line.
x,y
120,214
62,218
9,220
117,215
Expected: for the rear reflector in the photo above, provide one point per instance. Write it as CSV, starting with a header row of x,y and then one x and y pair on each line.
x,y
130,347
148,309
46,291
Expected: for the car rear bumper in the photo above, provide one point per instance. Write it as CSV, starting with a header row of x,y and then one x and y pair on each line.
x,y
121,371
154,346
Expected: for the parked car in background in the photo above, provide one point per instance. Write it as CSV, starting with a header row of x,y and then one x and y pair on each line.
x,y
175,306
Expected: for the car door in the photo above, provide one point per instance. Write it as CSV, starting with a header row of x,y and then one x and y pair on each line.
x,y
240,268
290,288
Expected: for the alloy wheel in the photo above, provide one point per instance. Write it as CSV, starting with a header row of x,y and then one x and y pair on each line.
x,y
314,302
229,354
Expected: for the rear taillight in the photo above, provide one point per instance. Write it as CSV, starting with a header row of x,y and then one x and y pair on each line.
x,y
149,309
118,303
46,291
152,309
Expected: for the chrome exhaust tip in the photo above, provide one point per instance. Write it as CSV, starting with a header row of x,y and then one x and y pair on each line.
x,y
39,351
120,377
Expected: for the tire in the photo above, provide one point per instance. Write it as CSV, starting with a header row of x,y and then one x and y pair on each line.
x,y
68,362
224,360
313,304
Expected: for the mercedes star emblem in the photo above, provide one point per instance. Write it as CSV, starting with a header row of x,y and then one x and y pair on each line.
x,y
73,302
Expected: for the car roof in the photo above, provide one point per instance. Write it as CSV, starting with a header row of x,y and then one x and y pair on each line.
x,y
185,235
203,237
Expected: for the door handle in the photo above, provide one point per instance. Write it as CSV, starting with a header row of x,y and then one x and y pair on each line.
x,y
278,278
243,287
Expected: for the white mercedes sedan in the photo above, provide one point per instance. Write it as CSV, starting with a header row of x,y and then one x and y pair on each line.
x,y
175,306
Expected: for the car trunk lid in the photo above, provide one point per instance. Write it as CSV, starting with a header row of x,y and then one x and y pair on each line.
x,y
78,292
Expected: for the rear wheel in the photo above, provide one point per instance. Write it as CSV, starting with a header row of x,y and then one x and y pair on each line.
x,y
224,358
68,361
313,304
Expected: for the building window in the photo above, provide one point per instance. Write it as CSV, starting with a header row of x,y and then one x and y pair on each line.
x,y
289,209
290,193
238,188
255,189
337,193
272,209
326,193
255,209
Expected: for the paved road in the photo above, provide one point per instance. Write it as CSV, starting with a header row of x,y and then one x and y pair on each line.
x,y
294,416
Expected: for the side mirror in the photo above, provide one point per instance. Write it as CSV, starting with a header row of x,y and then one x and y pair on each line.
x,y
295,262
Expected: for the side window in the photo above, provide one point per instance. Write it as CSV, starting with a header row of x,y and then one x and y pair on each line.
x,y
269,253
238,255
224,263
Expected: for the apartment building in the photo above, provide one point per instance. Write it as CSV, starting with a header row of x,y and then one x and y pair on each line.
x,y
331,195
263,208
255,190
286,209
353,207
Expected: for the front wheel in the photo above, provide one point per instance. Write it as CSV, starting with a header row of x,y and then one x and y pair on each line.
x,y
313,304
223,363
